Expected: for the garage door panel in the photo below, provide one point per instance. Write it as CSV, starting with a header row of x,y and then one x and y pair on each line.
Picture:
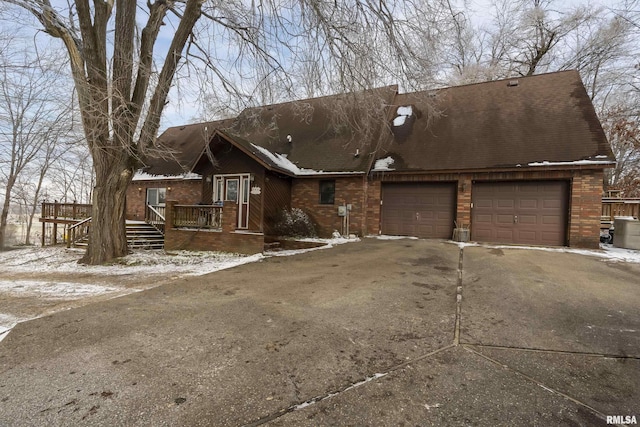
x,y
504,234
528,219
505,204
551,220
503,219
540,208
418,209
528,204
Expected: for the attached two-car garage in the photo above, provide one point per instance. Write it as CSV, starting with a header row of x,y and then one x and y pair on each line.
x,y
514,212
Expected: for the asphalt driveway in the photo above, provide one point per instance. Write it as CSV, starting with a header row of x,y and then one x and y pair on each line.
x,y
406,332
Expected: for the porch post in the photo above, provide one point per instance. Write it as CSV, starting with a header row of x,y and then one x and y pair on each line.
x,y
168,214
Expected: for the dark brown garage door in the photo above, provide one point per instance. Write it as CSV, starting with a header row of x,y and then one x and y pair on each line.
x,y
418,209
533,213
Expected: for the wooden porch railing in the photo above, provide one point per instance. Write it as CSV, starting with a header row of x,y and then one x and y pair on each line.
x,y
613,207
78,231
65,211
197,216
155,215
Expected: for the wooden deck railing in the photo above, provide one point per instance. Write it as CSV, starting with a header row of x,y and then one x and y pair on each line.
x,y
155,215
197,216
613,207
65,211
78,231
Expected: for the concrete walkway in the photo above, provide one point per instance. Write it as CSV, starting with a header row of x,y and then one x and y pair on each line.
x,y
406,332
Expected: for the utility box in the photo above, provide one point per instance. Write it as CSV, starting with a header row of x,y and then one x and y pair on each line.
x,y
627,233
342,210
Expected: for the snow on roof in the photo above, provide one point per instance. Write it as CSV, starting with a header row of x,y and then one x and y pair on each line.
x,y
143,176
383,164
282,162
402,114
575,162
279,160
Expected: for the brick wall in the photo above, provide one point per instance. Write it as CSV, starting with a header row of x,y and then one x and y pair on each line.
x,y
225,240
585,203
184,191
585,210
305,195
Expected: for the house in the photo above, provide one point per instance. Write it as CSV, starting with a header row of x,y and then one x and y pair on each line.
x,y
516,161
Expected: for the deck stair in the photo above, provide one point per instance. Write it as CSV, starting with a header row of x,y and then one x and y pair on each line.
x,y
140,235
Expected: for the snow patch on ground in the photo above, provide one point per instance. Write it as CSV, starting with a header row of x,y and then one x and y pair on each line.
x,y
328,243
607,252
61,260
52,290
388,237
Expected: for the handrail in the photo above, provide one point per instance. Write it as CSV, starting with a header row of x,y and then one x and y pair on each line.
x,y
78,224
155,211
154,218
75,233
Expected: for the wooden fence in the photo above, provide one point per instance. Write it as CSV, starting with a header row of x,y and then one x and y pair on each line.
x,y
613,207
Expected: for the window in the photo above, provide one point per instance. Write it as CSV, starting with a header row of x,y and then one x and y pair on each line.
x,y
156,196
327,192
232,190
218,192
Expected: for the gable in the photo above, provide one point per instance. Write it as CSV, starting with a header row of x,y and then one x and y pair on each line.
x,y
527,122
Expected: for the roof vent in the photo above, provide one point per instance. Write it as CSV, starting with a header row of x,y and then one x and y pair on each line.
x,y
289,138
513,83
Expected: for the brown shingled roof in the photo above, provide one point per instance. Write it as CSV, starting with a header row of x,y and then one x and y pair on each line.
x,y
181,146
322,134
493,125
498,124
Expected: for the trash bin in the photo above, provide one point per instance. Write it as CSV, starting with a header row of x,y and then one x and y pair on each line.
x,y
460,234
627,233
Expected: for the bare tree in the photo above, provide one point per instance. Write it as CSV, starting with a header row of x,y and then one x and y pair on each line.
x,y
36,116
621,123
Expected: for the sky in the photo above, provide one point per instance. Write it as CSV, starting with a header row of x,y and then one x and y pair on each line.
x,y
182,106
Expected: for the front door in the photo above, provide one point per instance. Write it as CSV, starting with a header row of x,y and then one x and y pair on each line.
x,y
234,188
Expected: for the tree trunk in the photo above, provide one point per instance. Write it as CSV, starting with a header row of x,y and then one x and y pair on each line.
x,y
5,211
3,224
107,237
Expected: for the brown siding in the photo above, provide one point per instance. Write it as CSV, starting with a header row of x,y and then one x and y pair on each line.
x,y
277,196
256,201
305,195
233,161
185,191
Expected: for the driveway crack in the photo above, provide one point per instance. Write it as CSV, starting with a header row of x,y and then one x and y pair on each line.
x,y
334,393
550,351
539,383
456,334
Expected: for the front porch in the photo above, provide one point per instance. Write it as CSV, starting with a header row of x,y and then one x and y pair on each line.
x,y
174,227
